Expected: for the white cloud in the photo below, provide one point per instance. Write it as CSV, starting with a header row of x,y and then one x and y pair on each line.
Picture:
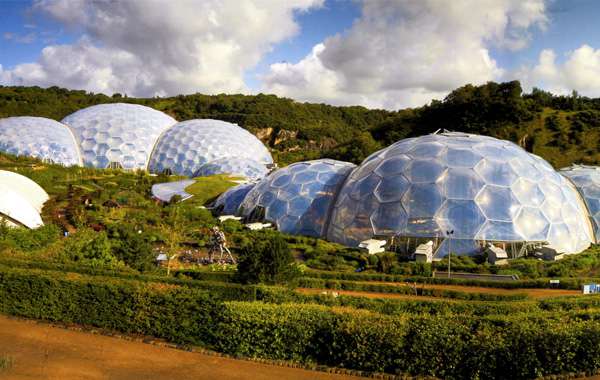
x,y
404,53
580,70
159,47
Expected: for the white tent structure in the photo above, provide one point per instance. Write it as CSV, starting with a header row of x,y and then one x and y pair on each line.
x,y
27,188
21,200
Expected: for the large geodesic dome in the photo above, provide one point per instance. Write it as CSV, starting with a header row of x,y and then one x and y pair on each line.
x,y
117,134
188,145
39,137
297,198
234,166
477,188
229,202
587,181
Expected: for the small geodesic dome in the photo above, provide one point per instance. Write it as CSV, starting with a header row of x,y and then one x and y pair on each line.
x,y
117,135
587,181
188,145
297,198
235,166
45,139
479,188
229,202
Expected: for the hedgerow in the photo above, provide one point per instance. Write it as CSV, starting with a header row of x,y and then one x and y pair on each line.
x,y
522,345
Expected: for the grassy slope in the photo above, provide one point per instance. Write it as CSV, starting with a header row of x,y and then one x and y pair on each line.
x,y
208,188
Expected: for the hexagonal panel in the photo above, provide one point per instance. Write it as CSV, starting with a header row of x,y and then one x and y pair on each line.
x,y
461,216
496,173
391,188
528,192
422,200
498,203
461,183
424,171
532,224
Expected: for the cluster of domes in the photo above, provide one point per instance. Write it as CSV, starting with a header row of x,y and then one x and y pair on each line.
x,y
21,200
462,190
136,137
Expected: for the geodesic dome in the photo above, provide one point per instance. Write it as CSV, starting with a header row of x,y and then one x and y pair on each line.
x,y
587,181
235,166
45,139
479,187
117,134
229,202
297,198
188,145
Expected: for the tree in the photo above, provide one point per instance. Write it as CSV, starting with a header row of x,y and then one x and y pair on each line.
x,y
266,258
173,234
131,246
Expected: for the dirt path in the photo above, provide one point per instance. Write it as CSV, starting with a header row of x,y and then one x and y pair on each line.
x,y
370,294
42,351
531,292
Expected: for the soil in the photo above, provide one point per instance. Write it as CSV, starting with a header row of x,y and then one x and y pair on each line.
x,y
367,294
532,293
43,351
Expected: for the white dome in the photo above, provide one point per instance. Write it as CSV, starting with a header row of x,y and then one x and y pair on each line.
x,y
479,187
38,137
27,188
21,200
117,134
188,145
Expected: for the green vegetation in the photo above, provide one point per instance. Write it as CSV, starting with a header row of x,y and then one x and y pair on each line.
x,y
6,362
266,258
524,343
208,188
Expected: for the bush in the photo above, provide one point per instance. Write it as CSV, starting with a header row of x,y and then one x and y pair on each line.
x,y
268,259
91,247
25,239
131,247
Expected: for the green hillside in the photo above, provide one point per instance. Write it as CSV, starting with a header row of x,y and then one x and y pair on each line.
x,y
562,129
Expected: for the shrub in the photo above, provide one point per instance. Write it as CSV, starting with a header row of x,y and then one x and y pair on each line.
x,y
266,259
89,246
131,247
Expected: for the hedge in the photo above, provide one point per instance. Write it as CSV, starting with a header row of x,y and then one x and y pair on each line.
x,y
565,283
518,346
405,289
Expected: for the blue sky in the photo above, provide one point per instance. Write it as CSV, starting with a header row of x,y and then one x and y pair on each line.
x,y
388,54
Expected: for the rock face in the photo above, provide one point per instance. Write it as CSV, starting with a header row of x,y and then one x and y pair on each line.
x,y
264,134
284,135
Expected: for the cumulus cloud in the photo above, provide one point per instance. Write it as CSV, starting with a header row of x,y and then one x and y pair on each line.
x,y
159,47
405,53
580,70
